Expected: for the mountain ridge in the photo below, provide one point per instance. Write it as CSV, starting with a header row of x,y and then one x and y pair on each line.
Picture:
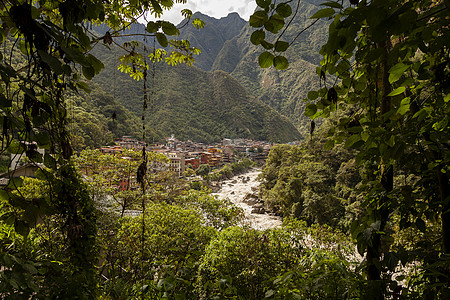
x,y
194,104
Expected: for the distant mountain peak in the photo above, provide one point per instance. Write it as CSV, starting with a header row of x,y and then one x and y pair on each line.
x,y
233,14
212,37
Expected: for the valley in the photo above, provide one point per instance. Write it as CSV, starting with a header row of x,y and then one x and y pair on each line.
x,y
302,154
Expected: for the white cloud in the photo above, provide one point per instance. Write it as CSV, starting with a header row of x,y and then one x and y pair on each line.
x,y
212,8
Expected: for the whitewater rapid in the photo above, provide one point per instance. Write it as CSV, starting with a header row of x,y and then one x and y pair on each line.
x,y
236,189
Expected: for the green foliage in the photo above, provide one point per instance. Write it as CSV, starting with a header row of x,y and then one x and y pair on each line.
x,y
302,181
203,170
217,213
292,262
96,119
240,262
222,108
212,38
231,169
46,52
390,63
281,90
59,253
164,261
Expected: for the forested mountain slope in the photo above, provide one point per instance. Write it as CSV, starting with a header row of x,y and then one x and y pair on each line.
x,y
211,39
193,104
225,45
96,119
282,90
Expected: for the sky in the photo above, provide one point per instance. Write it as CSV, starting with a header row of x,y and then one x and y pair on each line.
x,y
212,8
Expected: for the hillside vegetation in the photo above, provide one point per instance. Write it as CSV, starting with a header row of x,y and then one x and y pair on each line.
x,y
194,104
281,90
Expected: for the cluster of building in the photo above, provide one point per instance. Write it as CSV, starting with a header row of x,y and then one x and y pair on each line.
x,y
183,154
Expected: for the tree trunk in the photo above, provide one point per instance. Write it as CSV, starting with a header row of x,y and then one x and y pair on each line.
x,y
375,286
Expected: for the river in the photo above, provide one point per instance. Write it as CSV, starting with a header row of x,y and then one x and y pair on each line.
x,y
236,189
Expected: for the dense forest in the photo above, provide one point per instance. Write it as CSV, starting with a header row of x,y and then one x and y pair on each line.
x,y
364,198
193,104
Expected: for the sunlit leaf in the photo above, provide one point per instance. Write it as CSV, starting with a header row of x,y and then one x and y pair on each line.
x,y
310,110
281,46
352,140
397,71
280,63
265,59
274,24
397,91
441,125
404,106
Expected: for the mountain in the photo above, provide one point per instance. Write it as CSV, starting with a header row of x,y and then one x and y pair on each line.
x,y
212,37
209,39
96,119
282,90
193,104
225,45
180,100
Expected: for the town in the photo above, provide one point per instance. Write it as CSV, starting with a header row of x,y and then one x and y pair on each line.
x,y
193,154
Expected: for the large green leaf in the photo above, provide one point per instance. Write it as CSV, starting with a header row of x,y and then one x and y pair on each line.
x,y
274,24
280,63
441,125
88,72
397,71
284,10
323,13
281,46
95,63
310,110
258,19
312,95
352,140
397,91
404,106
162,39
265,59
257,36
169,29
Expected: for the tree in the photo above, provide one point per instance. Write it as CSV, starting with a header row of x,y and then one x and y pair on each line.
x,y
46,52
389,67
203,170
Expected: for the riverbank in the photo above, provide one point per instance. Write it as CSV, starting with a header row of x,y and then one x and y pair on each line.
x,y
240,189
